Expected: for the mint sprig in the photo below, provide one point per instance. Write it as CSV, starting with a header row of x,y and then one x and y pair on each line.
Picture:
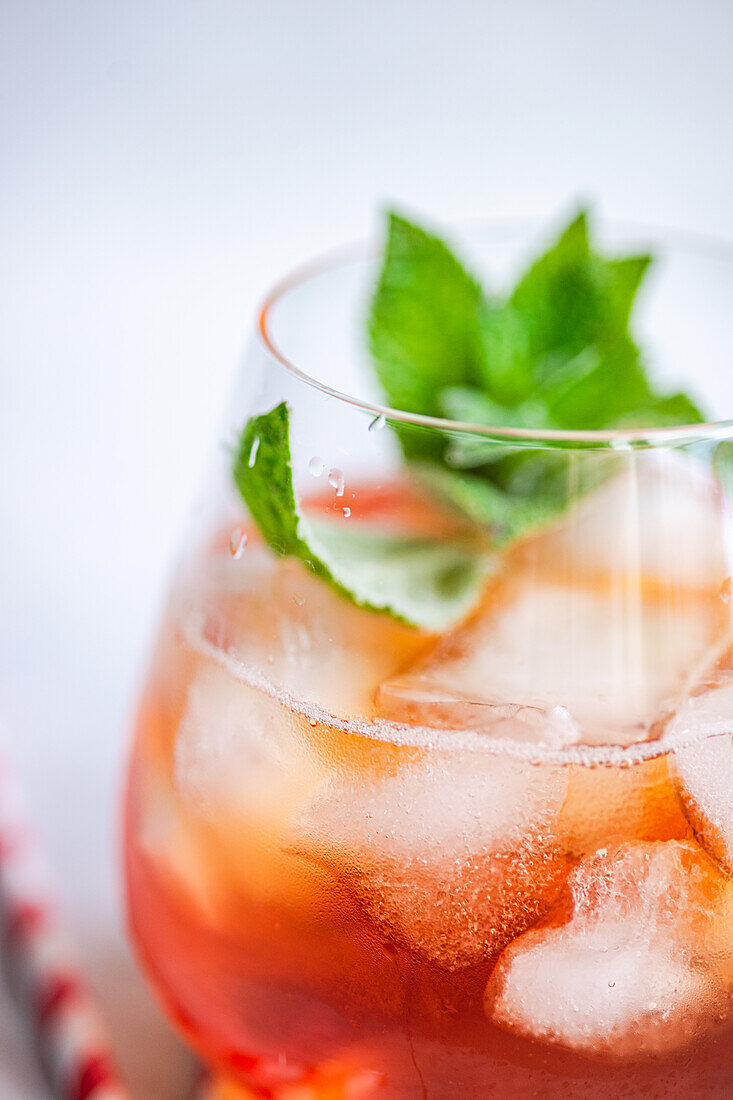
x,y
554,353
428,583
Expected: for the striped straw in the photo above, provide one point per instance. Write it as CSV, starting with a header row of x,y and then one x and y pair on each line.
x,y
52,996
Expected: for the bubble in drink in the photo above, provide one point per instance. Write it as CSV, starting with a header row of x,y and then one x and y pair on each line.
x,y
336,481
634,960
237,542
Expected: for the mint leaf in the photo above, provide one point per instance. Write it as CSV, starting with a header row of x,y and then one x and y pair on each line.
x,y
423,324
528,491
663,412
559,296
505,364
615,384
470,405
555,353
625,279
576,306
504,514
423,582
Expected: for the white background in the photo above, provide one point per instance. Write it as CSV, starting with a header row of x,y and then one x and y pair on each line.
x,y
161,164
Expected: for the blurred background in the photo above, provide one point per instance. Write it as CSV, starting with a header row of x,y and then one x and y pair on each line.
x,y
163,163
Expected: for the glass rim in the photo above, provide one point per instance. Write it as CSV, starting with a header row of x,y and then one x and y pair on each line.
x,y
696,243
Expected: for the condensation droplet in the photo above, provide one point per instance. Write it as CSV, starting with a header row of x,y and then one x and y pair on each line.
x,y
315,466
237,542
298,600
253,451
377,423
611,985
725,590
347,512
336,481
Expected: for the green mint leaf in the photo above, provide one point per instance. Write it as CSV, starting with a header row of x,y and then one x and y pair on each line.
x,y
470,405
615,385
625,279
529,489
423,582
663,412
572,297
505,362
558,297
556,353
423,324
505,515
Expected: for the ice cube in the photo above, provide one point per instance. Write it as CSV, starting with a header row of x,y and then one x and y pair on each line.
x,y
661,519
244,767
240,751
276,617
170,841
703,771
453,854
610,661
633,960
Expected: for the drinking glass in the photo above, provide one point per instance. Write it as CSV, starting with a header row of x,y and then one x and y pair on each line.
x,y
365,859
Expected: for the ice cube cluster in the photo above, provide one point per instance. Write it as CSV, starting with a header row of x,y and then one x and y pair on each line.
x,y
634,960
599,896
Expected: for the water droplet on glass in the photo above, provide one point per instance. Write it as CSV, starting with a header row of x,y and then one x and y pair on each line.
x,y
611,985
253,451
377,423
347,512
336,481
298,600
315,467
237,542
725,590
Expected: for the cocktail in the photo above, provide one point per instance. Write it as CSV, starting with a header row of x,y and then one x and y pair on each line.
x,y
431,794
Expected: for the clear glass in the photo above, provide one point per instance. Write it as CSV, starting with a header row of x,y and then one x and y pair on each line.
x,y
367,860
